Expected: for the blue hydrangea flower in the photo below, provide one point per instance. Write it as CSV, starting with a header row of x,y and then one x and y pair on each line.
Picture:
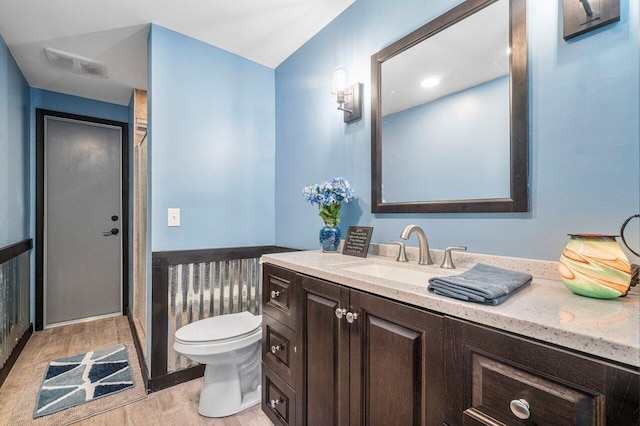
x,y
329,196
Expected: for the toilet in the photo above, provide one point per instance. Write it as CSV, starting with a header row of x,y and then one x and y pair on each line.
x,y
229,346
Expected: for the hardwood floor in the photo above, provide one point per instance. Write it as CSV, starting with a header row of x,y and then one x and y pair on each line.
x,y
177,405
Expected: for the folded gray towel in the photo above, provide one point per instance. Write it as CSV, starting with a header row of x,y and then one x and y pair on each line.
x,y
481,284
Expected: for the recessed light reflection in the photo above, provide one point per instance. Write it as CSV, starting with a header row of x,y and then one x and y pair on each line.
x,y
430,82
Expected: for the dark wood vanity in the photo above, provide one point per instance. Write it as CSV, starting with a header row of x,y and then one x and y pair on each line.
x,y
338,356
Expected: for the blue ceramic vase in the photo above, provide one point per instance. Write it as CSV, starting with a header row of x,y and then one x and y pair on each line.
x,y
330,238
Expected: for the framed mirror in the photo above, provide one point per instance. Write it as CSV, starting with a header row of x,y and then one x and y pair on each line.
x,y
449,113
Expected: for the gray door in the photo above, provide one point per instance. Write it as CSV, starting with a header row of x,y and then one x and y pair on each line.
x,y
82,259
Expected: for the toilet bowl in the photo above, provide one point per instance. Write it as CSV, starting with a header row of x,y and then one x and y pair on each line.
x,y
229,346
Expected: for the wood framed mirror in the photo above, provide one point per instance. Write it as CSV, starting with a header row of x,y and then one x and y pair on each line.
x,y
449,106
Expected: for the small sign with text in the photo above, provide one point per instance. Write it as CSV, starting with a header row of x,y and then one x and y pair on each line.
x,y
357,241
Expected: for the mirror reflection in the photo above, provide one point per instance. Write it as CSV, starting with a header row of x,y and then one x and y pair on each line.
x,y
445,113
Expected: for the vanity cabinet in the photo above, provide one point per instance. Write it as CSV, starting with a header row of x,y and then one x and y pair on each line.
x,y
494,378
361,359
368,360
338,356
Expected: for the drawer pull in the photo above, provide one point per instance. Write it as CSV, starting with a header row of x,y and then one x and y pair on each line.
x,y
275,294
275,402
275,349
340,313
520,408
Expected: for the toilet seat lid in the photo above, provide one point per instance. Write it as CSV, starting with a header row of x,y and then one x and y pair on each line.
x,y
220,328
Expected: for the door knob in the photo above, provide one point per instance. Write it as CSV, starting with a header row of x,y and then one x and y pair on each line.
x,y
113,231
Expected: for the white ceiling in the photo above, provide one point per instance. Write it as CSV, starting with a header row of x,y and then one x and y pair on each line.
x,y
115,32
464,55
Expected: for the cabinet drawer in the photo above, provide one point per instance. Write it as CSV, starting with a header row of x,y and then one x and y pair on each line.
x,y
279,290
487,369
278,399
496,385
279,348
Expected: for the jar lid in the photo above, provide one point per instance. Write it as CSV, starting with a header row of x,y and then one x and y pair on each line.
x,y
594,235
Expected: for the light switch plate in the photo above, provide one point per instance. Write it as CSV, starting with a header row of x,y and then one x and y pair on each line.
x,y
173,217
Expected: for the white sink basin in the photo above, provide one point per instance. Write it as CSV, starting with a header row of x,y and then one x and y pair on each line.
x,y
393,273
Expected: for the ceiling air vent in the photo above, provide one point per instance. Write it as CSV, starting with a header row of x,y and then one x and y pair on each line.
x,y
74,63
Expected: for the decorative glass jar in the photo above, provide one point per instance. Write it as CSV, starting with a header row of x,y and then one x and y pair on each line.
x,y
594,265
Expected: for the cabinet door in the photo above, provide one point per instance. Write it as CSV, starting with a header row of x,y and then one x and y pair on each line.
x,y
396,364
325,378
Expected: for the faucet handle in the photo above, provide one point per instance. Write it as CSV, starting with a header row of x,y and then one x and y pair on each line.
x,y
447,262
402,253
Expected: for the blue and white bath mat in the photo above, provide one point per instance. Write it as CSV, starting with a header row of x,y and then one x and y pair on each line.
x,y
82,378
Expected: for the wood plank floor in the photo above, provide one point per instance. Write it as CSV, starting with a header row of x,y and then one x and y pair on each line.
x,y
177,405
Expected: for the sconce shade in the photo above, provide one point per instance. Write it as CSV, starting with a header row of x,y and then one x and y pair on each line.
x,y
347,95
340,80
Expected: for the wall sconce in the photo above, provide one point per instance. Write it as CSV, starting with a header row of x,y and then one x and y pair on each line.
x,y
581,16
346,95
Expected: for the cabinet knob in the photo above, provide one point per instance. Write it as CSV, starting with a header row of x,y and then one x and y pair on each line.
x,y
520,408
275,402
275,294
351,317
275,349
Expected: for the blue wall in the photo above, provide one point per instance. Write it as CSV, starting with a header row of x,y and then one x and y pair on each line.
x,y
70,104
212,145
14,151
584,132
459,143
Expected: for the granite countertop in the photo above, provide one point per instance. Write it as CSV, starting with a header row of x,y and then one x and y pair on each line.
x,y
545,310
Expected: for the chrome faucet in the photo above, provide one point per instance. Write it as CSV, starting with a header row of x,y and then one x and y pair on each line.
x,y
425,256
